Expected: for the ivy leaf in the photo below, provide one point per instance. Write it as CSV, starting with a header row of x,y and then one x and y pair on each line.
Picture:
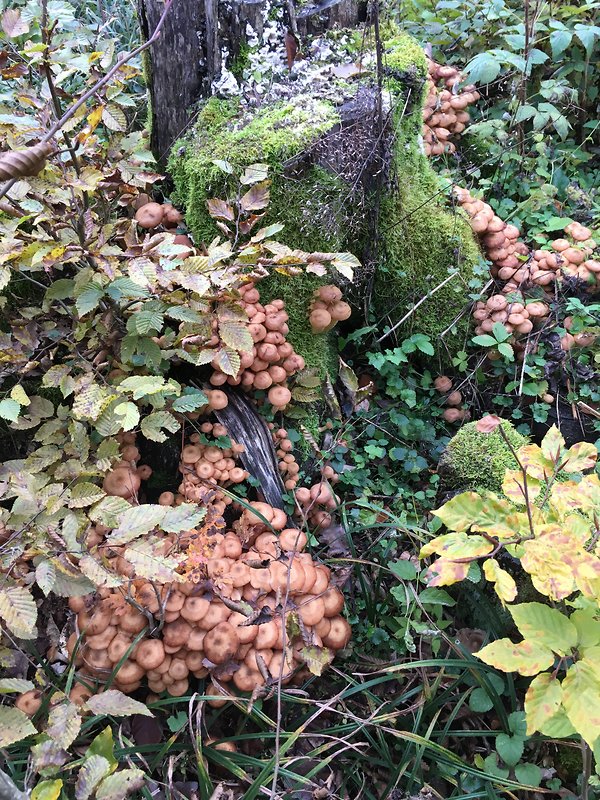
x,y
480,701
546,626
528,774
510,748
114,703
94,768
119,785
19,611
526,658
542,701
14,726
581,700
153,424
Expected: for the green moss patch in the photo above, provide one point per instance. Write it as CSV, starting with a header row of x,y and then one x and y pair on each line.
x,y
474,460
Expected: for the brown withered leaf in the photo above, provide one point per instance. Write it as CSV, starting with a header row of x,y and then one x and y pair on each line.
x,y
12,23
256,198
219,209
291,48
247,224
488,423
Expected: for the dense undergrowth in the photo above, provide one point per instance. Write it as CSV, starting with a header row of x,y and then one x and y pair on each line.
x,y
106,331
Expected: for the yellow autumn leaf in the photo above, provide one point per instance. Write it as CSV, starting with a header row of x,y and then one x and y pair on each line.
x,y
504,584
526,658
444,573
542,701
515,489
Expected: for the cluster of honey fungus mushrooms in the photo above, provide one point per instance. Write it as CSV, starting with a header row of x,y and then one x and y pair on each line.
x,y
453,400
444,113
327,309
518,269
260,565
150,215
272,359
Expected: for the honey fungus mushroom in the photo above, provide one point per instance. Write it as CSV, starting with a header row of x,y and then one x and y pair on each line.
x,y
149,215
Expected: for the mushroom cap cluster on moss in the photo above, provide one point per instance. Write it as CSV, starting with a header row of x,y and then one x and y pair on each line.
x,y
474,460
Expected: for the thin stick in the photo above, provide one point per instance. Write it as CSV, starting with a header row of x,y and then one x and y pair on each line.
x,y
414,308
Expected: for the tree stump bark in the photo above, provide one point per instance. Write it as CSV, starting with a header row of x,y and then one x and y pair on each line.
x,y
183,63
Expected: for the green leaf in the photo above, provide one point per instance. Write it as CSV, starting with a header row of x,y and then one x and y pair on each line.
x,y
254,173
47,790
558,726
542,701
581,700
108,511
404,569
128,415
506,350
528,774
526,658
145,321
142,385
89,299
103,745
509,748
9,409
20,685
480,701
114,703
19,611
485,340
588,627
224,166
190,402
182,518
546,626
119,785
152,425
85,494
146,557
484,68
137,520
93,770
14,726
114,117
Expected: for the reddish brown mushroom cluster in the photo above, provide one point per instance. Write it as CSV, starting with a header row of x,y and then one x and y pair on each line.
x,y
445,111
288,466
327,309
319,502
571,255
272,360
453,400
205,465
517,316
500,241
207,626
150,215
125,477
